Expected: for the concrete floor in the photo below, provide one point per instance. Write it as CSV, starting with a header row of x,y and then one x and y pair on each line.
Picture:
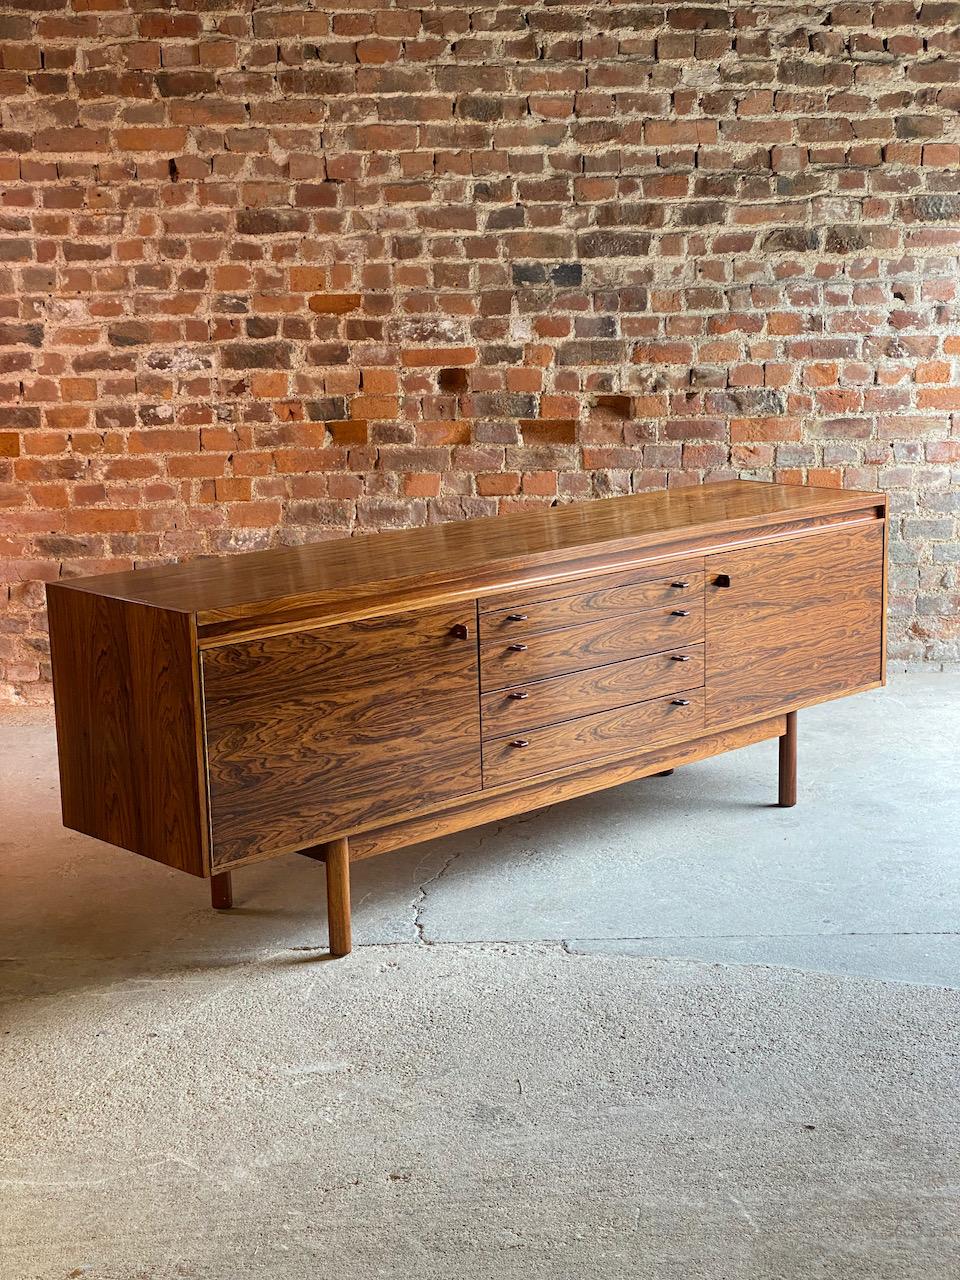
x,y
668,1031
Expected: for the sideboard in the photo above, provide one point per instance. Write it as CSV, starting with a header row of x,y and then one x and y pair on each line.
x,y
354,696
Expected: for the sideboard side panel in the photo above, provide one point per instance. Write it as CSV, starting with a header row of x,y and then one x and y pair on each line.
x,y
125,686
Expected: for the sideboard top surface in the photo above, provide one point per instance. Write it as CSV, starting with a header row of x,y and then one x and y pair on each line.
x,y
358,568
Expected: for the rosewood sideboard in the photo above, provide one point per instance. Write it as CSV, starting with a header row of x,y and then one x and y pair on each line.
x,y
351,697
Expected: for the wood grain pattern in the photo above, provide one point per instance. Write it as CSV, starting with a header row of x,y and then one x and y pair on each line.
x,y
604,576
799,622
591,644
495,805
594,600
388,568
588,739
527,706
312,733
337,859
124,679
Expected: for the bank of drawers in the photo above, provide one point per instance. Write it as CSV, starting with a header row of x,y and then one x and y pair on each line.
x,y
598,667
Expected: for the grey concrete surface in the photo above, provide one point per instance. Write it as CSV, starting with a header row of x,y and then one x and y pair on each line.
x,y
669,1031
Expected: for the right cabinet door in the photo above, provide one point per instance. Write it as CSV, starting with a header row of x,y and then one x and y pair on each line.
x,y
793,622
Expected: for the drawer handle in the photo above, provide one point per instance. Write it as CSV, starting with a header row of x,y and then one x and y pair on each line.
x,y
520,742
517,648
681,613
681,702
516,617
722,580
519,694
679,585
459,631
679,657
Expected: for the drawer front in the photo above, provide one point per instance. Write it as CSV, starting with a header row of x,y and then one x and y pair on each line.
x,y
602,600
520,597
591,644
592,738
311,733
586,692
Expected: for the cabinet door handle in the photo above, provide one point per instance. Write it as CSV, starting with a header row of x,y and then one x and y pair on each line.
x,y
680,585
519,694
722,580
681,702
517,648
516,617
679,657
520,742
681,613
459,631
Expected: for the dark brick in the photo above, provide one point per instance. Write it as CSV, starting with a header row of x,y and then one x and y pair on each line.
x,y
256,355
529,273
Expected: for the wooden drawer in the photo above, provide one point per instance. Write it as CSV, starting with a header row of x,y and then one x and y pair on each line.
x,y
313,733
605,598
591,644
586,692
591,738
587,580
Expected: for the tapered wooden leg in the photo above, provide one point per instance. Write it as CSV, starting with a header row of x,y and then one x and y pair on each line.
x,y
221,891
337,858
788,763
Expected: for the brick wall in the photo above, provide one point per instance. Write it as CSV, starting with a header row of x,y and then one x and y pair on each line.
x,y
278,272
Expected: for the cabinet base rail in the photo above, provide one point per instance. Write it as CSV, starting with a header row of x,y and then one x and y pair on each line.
x,y
335,854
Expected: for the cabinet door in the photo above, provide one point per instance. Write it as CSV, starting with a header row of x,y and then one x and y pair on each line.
x,y
313,733
800,621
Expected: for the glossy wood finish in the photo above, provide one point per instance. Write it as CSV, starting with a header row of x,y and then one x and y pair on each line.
x,y
390,570
126,700
312,733
788,763
799,621
317,695
591,644
526,706
596,599
337,858
221,891
495,804
588,739
602,575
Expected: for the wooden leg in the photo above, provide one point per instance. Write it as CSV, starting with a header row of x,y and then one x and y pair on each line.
x,y
788,763
337,858
221,891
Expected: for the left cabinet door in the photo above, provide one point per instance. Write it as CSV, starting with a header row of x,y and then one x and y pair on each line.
x,y
314,733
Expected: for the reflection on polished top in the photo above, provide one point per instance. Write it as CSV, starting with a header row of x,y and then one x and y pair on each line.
x,y
352,568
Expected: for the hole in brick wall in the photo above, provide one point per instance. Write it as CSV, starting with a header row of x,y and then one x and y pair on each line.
x,y
174,171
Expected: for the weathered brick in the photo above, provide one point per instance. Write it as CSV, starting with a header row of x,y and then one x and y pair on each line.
x,y
307,270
